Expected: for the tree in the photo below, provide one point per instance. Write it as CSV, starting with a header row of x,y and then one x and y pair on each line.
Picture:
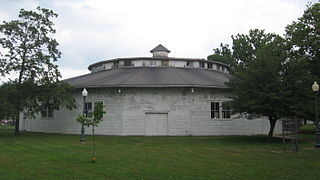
x,y
304,39
222,54
266,80
255,79
30,50
7,92
97,118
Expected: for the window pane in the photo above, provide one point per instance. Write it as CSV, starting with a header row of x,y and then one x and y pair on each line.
x,y
216,108
43,114
88,106
215,111
216,114
226,110
127,63
50,113
228,114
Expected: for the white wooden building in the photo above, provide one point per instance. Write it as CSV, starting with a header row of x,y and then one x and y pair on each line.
x,y
153,96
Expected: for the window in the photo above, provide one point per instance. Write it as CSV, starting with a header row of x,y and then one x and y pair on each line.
x,y
215,110
190,63
127,62
219,67
220,110
210,65
89,107
226,110
165,62
46,110
153,63
116,64
201,64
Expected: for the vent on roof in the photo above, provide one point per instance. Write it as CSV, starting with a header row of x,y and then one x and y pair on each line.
x,y
160,51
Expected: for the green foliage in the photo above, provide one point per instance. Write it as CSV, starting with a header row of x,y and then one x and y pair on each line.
x,y
272,76
29,50
307,129
296,89
84,120
304,38
7,99
265,80
222,54
54,94
93,119
98,114
256,70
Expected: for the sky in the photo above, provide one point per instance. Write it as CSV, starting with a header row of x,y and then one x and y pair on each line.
x,y
89,31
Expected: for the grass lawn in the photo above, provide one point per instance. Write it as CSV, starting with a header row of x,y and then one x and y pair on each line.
x,y
54,156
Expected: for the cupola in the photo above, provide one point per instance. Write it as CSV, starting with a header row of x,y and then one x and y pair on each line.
x,y
160,51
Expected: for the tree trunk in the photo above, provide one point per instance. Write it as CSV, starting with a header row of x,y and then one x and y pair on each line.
x,y
23,64
272,121
94,142
16,132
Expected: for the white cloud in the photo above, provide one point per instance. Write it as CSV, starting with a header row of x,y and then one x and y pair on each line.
x,y
70,72
89,31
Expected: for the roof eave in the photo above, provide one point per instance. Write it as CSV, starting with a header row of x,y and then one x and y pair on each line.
x,y
154,86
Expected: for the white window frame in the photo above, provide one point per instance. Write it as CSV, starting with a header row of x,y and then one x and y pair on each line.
x,y
213,110
46,112
92,106
222,112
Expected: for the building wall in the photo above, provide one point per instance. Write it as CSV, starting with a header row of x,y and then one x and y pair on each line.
x,y
188,113
108,65
177,63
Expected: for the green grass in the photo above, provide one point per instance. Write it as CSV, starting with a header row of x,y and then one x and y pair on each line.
x,y
308,129
6,129
54,156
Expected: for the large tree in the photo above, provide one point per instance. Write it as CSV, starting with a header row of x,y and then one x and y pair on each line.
x,y
255,78
266,79
29,50
304,38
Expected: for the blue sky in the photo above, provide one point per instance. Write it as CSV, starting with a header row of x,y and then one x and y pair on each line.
x,y
90,31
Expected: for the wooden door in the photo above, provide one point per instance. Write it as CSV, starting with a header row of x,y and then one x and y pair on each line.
x,y
156,124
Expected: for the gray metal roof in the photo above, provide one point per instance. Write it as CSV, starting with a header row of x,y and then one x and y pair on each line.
x,y
151,77
160,48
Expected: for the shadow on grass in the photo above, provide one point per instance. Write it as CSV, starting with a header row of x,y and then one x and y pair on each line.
x,y
6,130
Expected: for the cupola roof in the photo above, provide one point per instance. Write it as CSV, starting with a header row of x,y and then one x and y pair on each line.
x,y
160,47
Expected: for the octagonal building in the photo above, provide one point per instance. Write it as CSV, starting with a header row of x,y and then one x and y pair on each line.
x,y
153,96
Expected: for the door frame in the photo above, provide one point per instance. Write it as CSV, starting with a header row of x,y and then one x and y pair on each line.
x,y
156,112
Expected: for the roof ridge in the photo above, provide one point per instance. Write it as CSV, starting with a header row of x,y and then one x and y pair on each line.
x,y
160,47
